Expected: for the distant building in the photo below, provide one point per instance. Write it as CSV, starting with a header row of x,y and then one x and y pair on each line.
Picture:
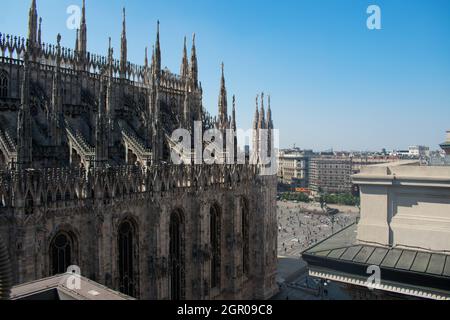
x,y
293,168
330,174
419,151
402,154
446,145
327,172
400,248
442,157
361,161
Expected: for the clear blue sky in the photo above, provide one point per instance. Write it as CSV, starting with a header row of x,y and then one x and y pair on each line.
x,y
333,82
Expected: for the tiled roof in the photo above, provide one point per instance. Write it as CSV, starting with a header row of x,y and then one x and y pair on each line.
x,y
342,253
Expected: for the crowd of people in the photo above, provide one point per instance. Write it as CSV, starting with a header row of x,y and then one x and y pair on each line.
x,y
300,226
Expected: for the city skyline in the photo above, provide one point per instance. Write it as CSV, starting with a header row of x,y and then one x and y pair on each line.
x,y
334,83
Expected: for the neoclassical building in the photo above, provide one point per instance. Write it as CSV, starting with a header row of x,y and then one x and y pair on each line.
x,y
86,177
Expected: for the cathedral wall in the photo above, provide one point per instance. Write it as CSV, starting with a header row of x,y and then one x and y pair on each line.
x,y
94,225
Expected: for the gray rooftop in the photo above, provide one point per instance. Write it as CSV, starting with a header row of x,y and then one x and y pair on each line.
x,y
342,254
344,246
59,288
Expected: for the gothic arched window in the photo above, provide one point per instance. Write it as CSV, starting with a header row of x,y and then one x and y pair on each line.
x,y
3,84
126,259
61,253
176,256
245,237
214,237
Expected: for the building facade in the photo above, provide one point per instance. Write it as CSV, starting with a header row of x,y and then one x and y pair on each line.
x,y
293,168
330,175
446,145
419,152
86,180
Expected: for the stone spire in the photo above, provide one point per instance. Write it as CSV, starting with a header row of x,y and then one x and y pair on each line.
x,y
146,58
82,36
186,107
146,65
233,127
157,66
77,41
109,99
156,129
223,105
123,48
233,115
39,39
157,134
262,120
194,64
56,111
256,118
269,124
110,109
255,142
32,24
101,128
184,71
24,130
153,59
